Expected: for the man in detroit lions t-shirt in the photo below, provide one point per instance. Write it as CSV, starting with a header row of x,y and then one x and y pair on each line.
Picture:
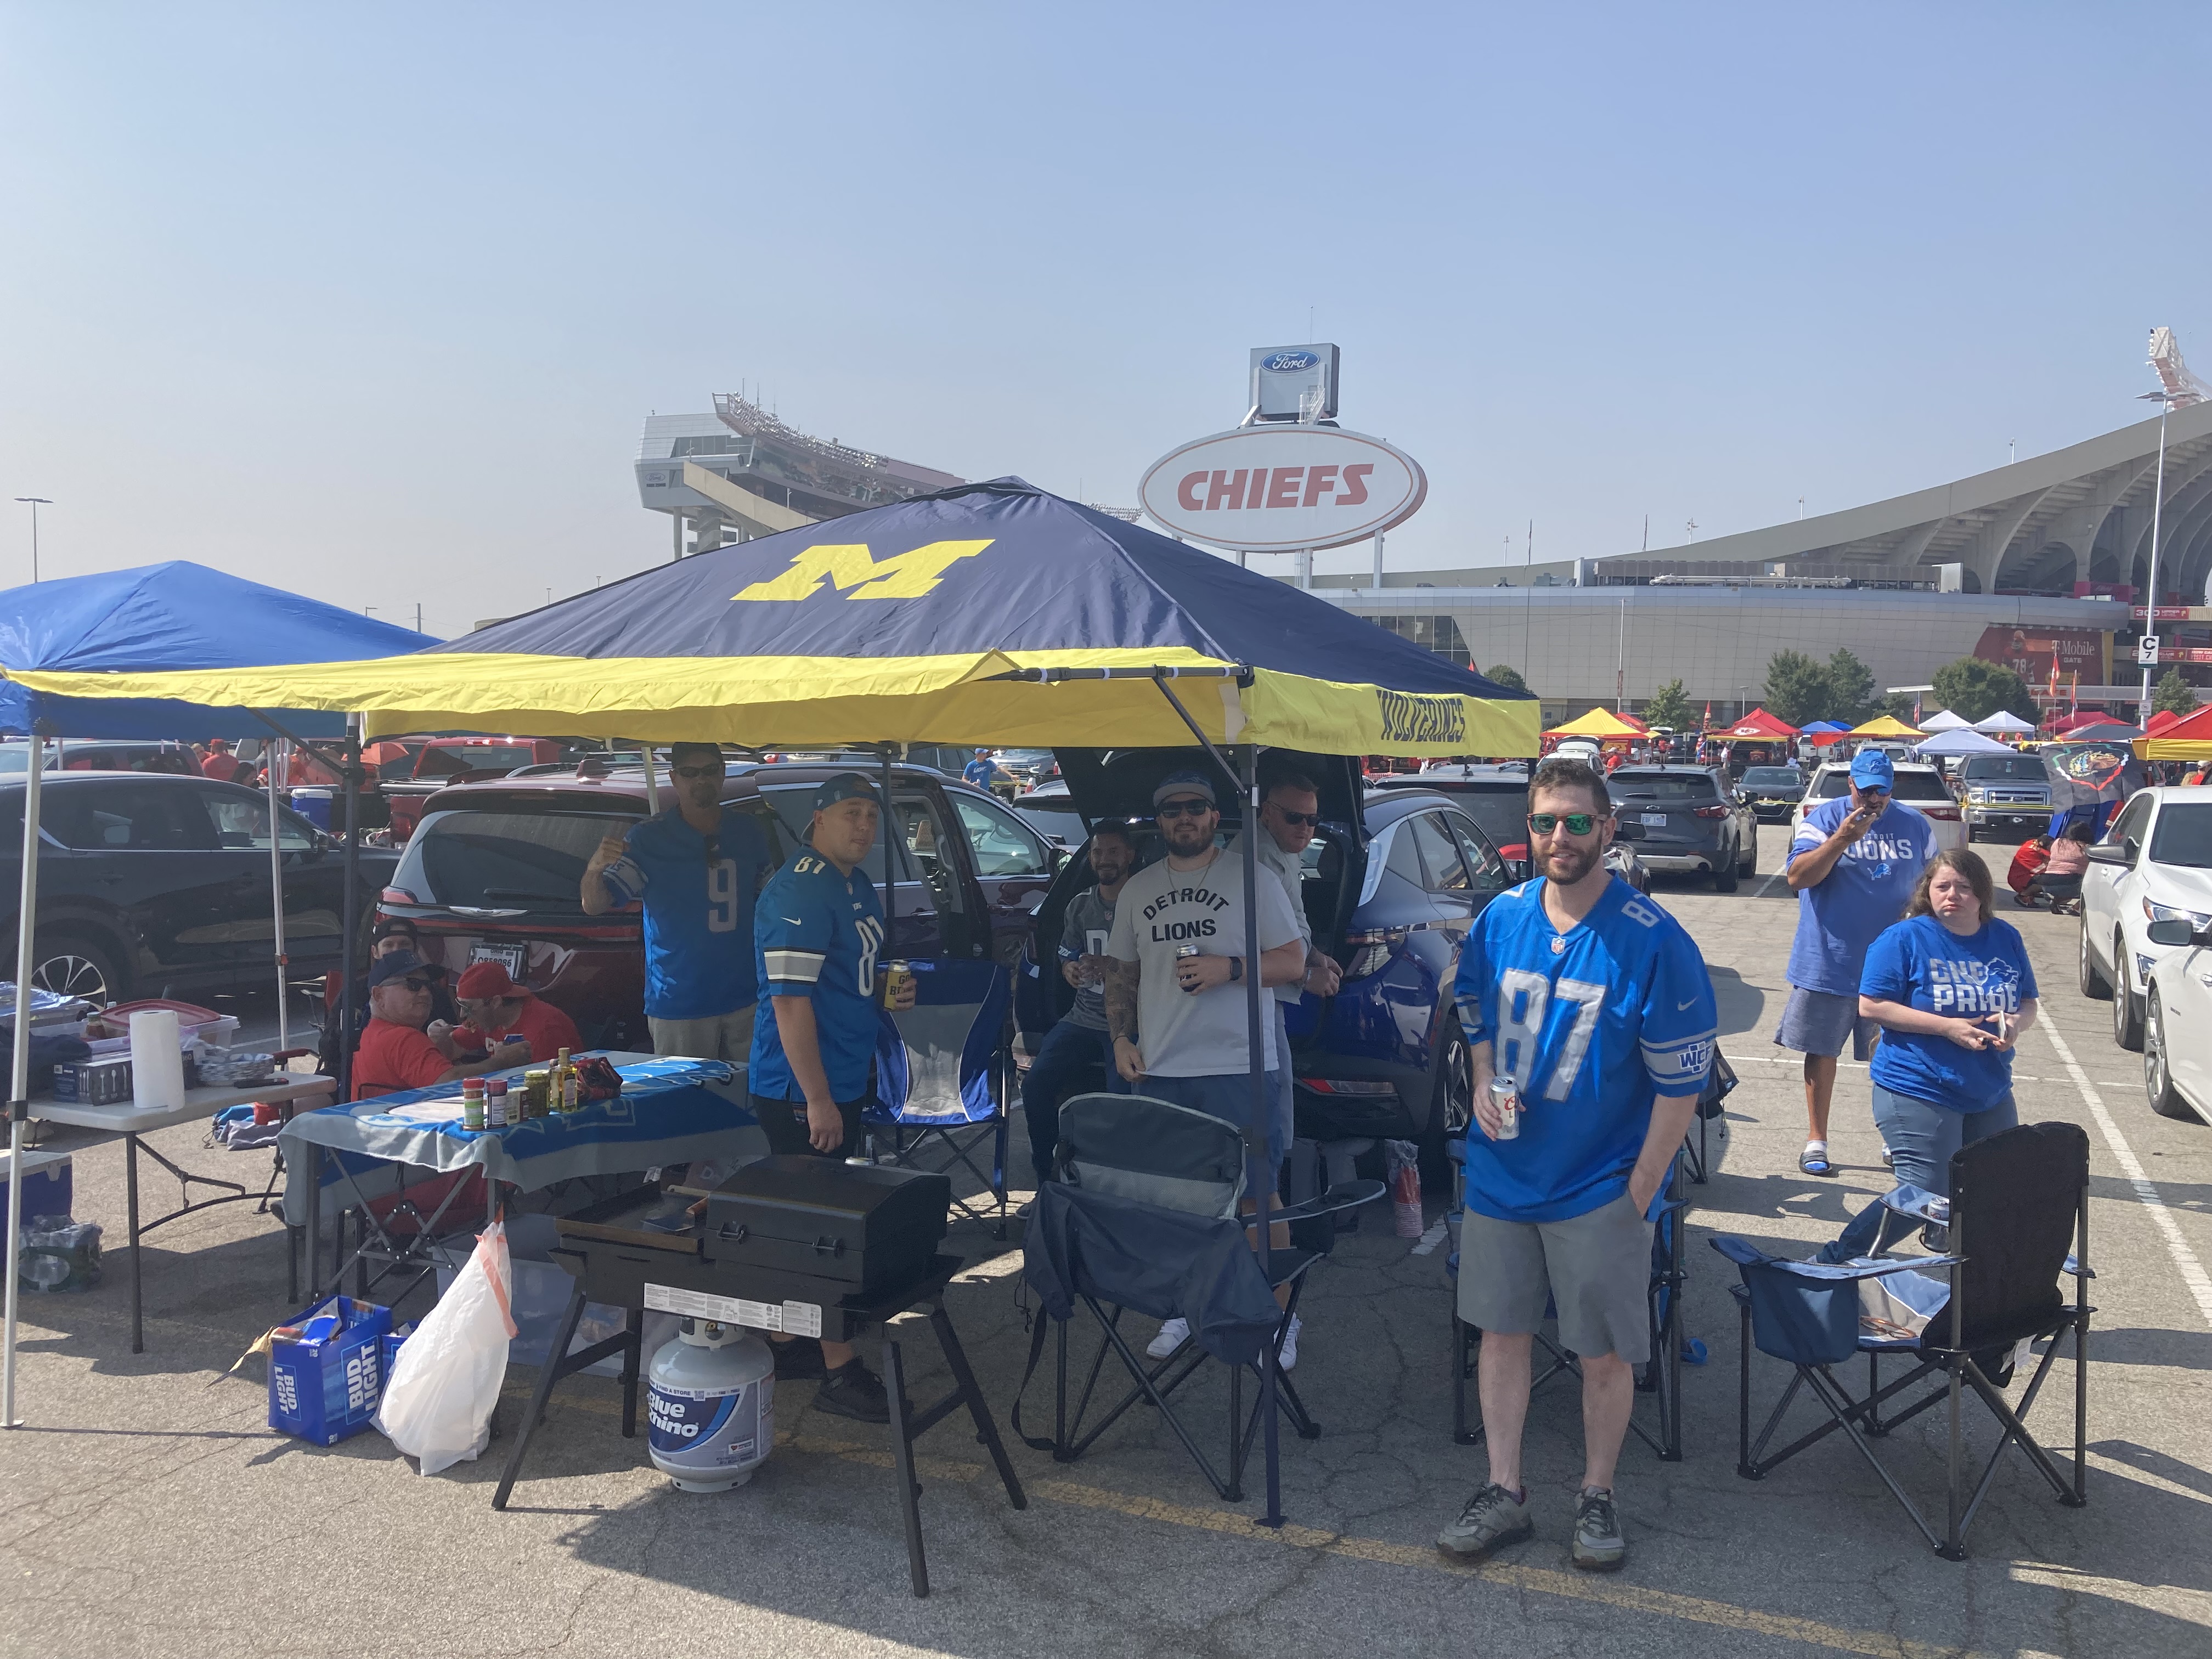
x,y
1854,863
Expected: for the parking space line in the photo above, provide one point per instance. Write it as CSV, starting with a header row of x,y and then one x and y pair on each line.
x,y
2192,1270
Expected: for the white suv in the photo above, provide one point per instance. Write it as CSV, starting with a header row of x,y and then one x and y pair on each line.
x,y
1919,787
2154,865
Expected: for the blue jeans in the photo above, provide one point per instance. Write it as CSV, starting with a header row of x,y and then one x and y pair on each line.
x,y
1060,1069
1921,1137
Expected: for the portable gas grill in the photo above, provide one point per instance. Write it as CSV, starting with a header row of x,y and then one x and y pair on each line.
x,y
796,1245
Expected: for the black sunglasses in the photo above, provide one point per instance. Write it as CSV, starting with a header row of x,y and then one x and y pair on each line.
x,y
1177,809
697,771
414,984
1294,819
1577,824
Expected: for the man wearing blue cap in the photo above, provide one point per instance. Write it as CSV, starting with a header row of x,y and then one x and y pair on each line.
x,y
1853,865
818,936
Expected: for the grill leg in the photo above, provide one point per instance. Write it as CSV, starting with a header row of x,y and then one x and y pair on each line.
x,y
902,1464
632,1365
986,1429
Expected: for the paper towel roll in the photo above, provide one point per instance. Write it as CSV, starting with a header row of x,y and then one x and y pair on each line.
x,y
157,1060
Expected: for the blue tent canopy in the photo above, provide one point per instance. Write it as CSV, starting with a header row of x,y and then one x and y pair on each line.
x,y
177,615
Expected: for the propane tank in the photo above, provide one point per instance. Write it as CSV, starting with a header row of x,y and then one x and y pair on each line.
x,y
711,1406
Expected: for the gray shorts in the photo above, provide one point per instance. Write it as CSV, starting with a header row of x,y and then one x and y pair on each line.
x,y
719,1036
1595,1268
1820,1023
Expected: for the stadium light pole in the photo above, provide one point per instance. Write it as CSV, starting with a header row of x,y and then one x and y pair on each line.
x,y
2157,506
35,502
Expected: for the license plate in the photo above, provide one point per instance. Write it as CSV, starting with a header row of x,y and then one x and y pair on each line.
x,y
1654,820
509,956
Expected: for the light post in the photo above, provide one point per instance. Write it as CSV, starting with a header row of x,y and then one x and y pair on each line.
x,y
2157,506
35,502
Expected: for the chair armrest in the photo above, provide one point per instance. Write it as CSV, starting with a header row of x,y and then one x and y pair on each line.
x,y
1918,1203
1742,1250
1349,1196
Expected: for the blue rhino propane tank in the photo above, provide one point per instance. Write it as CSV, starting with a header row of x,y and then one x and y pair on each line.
x,y
711,1406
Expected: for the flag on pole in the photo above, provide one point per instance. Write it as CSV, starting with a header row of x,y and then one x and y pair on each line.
x,y
2074,696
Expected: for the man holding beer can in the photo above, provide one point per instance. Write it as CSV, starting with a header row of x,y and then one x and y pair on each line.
x,y
1597,1006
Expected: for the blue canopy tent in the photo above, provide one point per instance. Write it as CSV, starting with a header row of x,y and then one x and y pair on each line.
x,y
159,616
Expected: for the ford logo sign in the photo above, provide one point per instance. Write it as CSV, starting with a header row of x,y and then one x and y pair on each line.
x,y
1290,362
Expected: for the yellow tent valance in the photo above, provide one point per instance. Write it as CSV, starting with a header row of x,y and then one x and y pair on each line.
x,y
1884,726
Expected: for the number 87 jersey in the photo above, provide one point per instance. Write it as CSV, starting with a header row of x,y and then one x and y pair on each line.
x,y
1593,1023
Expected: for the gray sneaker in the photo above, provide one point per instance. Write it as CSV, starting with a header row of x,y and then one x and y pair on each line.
x,y
1493,1518
1599,1546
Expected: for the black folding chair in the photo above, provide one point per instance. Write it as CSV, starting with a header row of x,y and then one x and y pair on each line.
x,y
2018,1200
1659,1376
942,1076
1143,1213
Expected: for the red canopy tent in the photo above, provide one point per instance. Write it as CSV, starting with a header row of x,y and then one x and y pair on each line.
x,y
1757,726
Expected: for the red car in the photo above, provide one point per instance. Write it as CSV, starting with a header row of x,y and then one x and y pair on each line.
x,y
494,872
436,761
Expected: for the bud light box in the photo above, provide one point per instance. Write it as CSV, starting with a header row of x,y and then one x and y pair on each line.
x,y
326,1372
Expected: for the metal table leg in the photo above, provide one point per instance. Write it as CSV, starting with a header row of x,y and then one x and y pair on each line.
x,y
130,1199
902,1463
548,1374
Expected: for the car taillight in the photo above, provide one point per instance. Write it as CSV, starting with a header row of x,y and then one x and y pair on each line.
x,y
1332,1085
1370,950
1712,812
398,896
1941,814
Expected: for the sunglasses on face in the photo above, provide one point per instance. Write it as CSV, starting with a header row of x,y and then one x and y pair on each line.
x,y
689,772
416,985
1176,808
1294,819
1575,824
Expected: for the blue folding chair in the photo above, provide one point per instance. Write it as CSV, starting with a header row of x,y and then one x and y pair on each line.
x,y
943,1077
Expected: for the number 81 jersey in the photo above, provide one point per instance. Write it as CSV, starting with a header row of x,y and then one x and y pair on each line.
x,y
1593,1023
819,933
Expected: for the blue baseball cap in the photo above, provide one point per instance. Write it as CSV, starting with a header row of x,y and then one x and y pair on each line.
x,y
398,965
845,786
1870,770
1184,783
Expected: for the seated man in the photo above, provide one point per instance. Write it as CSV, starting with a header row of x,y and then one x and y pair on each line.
x,y
2028,863
1078,1041
498,1009
394,1052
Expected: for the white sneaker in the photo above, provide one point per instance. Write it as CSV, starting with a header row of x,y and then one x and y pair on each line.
x,y
1289,1356
1173,1334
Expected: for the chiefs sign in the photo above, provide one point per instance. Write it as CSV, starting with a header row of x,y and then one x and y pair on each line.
x,y
1271,489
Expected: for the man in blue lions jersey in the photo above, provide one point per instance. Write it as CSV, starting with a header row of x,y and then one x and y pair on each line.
x,y
818,931
1598,1005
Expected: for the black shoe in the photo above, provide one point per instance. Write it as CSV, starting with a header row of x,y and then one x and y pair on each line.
x,y
798,1360
855,1391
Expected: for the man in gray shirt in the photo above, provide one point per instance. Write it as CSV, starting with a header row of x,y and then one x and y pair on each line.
x,y
1077,1041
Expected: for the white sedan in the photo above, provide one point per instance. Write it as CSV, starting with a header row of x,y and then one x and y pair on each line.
x,y
2154,865
1921,788
2178,1022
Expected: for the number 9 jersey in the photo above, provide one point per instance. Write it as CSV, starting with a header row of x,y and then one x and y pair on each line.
x,y
1593,1023
818,934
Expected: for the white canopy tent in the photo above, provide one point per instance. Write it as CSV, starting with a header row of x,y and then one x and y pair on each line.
x,y
2004,720
1945,720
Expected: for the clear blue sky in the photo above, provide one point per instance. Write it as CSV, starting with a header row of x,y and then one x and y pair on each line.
x,y
371,302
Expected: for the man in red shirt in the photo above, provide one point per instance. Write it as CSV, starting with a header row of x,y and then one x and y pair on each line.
x,y
394,1054
219,763
497,1008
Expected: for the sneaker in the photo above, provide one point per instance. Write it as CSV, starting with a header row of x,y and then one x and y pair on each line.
x,y
855,1391
1599,1546
1493,1518
1289,1356
798,1360
1173,1334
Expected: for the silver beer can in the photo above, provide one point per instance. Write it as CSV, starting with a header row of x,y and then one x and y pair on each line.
x,y
1505,1097
1186,951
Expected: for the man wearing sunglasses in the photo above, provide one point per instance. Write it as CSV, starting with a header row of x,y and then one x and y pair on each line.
x,y
395,1052
696,869
1598,1005
1853,865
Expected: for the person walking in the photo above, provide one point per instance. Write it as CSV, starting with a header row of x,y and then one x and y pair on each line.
x,y
1853,865
1951,988
696,869
1079,1039
1598,1005
982,771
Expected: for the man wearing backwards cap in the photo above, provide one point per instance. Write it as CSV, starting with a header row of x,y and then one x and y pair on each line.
x,y
819,933
499,1009
1853,865
394,1054
696,868
1190,1012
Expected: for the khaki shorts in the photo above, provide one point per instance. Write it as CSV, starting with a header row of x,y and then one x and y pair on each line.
x,y
719,1036
1596,1268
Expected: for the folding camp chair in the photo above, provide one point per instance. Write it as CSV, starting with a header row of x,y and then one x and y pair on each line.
x,y
1144,1213
942,1080
1659,1376
2019,1199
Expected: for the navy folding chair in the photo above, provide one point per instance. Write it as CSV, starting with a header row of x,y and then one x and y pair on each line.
x,y
942,1080
2020,1200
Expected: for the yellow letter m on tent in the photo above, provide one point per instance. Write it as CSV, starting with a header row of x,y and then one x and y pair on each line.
x,y
902,576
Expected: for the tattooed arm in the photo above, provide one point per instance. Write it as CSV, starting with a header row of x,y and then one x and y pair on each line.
x,y
1122,978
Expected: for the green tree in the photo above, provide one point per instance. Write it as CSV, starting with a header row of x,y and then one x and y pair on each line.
x,y
1797,688
1669,707
1851,689
1897,705
1974,689
1500,674
2173,692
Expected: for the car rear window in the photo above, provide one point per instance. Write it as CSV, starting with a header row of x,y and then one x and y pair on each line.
x,y
1911,785
474,758
529,861
1663,786
2183,836
1772,777
2007,769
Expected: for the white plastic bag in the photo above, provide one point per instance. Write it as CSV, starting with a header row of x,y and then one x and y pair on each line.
x,y
438,1401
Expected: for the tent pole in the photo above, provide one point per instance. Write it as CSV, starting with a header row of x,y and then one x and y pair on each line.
x,y
1262,1108
19,1081
652,784
276,888
891,833
350,931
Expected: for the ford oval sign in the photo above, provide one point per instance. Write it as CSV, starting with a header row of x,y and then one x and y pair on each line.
x,y
1290,362
1277,488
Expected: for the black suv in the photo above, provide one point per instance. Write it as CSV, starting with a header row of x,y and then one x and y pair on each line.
x,y
149,883
1686,819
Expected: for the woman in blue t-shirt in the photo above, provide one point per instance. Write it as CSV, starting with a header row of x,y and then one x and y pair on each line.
x,y
1953,990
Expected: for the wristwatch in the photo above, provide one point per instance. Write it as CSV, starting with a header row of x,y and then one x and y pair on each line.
x,y
1235,969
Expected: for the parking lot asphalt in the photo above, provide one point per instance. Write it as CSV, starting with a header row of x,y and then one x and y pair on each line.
x,y
148,1510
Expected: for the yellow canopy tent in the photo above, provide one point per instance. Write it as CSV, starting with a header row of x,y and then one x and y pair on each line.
x,y
1884,726
1601,724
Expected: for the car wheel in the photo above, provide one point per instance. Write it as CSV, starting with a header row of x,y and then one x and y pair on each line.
x,y
2127,1012
2158,1079
2093,982
1747,865
72,967
1451,1106
1724,880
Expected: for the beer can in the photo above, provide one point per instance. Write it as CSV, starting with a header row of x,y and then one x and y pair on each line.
x,y
897,976
1505,1095
1184,952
